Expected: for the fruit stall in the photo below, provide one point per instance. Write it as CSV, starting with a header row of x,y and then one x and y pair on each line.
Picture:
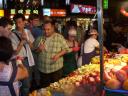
x,y
105,73
85,81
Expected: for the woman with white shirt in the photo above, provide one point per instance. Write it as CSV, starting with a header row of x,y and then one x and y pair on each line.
x,y
10,71
89,47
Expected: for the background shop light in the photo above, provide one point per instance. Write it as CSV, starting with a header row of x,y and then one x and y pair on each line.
x,y
12,11
26,16
42,2
67,2
1,3
1,13
11,16
46,11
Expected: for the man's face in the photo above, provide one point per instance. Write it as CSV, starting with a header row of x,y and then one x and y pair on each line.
x,y
49,29
35,22
8,28
20,23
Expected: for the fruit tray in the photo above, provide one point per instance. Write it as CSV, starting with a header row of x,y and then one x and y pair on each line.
x,y
116,91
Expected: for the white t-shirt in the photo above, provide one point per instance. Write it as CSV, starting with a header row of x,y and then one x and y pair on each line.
x,y
90,44
24,52
5,75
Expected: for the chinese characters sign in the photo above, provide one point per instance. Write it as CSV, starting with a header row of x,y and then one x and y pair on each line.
x,y
86,9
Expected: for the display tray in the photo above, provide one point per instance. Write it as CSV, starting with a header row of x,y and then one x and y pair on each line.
x,y
57,93
117,91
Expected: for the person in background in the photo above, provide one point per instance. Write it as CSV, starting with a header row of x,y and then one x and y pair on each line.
x,y
22,40
5,26
70,59
50,49
10,70
35,25
89,47
115,37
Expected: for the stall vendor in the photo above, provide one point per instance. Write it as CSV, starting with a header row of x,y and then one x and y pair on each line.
x,y
90,46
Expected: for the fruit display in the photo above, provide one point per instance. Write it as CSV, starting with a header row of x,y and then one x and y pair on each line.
x,y
115,76
123,51
88,75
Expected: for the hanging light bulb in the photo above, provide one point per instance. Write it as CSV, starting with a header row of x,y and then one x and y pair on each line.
x,y
21,1
67,2
42,2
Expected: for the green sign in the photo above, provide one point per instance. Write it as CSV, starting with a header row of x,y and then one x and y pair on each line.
x,y
105,4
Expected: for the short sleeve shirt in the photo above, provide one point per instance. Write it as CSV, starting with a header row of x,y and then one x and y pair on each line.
x,y
90,45
54,45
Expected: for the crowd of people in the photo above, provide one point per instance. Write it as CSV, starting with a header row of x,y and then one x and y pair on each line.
x,y
33,55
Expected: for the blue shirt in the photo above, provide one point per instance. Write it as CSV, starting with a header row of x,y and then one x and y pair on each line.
x,y
37,31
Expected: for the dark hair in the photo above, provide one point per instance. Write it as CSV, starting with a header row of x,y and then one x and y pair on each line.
x,y
17,16
33,16
49,21
5,21
6,49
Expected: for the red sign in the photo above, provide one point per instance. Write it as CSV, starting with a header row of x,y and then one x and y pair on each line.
x,y
87,9
58,12
54,12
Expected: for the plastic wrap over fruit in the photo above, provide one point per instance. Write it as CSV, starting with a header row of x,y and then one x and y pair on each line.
x,y
87,90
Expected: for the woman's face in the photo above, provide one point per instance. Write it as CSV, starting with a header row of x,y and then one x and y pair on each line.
x,y
72,38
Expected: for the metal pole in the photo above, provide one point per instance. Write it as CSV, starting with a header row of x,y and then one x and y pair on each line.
x,y
100,30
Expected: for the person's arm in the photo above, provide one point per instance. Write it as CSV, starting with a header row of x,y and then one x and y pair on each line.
x,y
64,47
57,56
19,47
22,72
30,40
38,45
30,44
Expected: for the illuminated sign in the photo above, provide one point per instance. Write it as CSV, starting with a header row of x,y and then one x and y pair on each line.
x,y
86,9
21,11
58,12
46,12
1,13
54,12
36,11
28,11
13,11
1,3
105,4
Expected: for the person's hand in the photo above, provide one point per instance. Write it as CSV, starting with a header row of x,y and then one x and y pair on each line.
x,y
19,60
75,49
24,36
41,47
55,58
105,50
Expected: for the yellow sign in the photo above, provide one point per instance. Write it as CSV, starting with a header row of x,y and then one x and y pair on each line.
x,y
1,13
